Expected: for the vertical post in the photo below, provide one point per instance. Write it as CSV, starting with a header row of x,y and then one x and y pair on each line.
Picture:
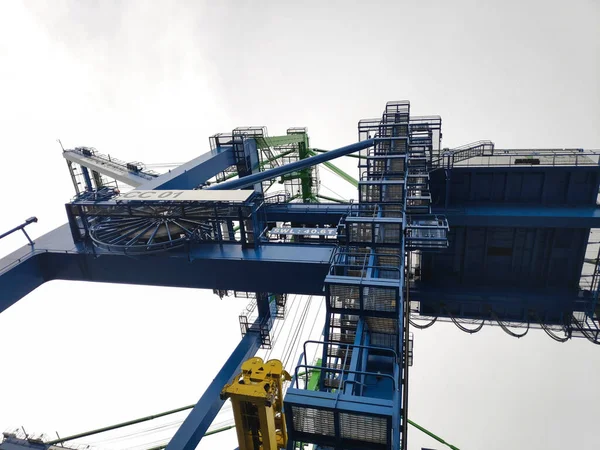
x,y
357,357
264,310
326,330
267,427
244,438
86,177
73,179
197,422
406,305
305,174
448,187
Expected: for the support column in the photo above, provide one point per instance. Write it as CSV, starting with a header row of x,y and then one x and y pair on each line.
x,y
195,425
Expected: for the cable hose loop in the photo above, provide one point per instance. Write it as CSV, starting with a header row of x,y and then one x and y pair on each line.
x,y
585,333
506,330
423,327
549,332
461,327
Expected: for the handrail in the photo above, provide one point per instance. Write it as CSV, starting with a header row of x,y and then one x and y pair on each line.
x,y
375,347
341,371
21,227
560,157
346,346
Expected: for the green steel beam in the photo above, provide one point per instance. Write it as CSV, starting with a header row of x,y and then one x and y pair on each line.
x,y
264,163
208,433
313,381
349,178
278,141
314,375
324,197
319,150
119,425
306,179
430,434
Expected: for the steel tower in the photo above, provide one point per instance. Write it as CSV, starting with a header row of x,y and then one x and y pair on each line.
x,y
472,235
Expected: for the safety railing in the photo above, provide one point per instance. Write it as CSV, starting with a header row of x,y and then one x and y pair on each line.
x,y
251,322
279,197
22,228
354,263
340,372
376,210
371,231
525,158
15,437
103,194
427,232
118,164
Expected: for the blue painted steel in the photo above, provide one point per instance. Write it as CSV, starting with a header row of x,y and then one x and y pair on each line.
x,y
293,167
195,172
57,256
509,304
550,186
498,256
358,355
530,216
578,216
269,268
22,228
86,177
307,213
331,406
195,425
105,165
517,243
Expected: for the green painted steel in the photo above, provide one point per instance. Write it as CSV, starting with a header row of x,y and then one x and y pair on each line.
x,y
325,197
277,141
349,178
430,434
208,433
264,163
313,381
305,174
119,425
320,150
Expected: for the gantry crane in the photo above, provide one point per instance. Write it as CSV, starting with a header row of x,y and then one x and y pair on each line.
x,y
474,235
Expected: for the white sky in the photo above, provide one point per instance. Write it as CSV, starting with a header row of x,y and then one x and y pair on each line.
x,y
150,81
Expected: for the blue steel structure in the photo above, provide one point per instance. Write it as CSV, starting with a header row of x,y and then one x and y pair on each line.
x,y
472,235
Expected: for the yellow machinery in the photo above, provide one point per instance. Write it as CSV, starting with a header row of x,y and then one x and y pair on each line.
x,y
257,400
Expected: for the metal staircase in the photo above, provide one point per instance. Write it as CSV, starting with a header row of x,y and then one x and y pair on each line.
x,y
363,351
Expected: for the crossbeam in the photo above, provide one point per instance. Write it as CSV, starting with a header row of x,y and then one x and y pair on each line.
x,y
298,269
195,172
293,166
195,425
107,167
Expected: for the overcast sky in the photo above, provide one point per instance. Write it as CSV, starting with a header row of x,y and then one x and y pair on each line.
x,y
150,81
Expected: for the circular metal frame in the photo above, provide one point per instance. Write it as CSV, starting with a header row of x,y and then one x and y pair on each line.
x,y
145,234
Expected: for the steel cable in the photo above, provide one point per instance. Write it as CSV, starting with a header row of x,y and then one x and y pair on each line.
x,y
510,332
549,332
584,332
423,327
460,326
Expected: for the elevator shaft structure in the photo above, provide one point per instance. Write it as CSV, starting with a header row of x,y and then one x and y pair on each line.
x,y
360,401
474,235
